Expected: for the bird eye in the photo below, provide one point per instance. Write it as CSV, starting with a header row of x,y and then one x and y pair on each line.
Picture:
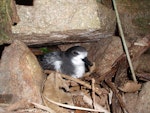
x,y
75,53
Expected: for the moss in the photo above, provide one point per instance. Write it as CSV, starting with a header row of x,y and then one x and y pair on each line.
x,y
44,50
99,1
5,20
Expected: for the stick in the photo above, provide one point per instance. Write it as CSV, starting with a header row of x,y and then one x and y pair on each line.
x,y
71,107
93,92
115,91
43,107
99,92
124,42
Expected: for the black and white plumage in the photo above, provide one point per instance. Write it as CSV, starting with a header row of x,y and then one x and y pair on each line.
x,y
73,62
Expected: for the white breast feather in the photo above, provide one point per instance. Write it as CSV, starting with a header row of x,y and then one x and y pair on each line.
x,y
79,64
79,71
57,65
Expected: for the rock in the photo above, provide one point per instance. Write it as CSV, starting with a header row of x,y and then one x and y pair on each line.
x,y
139,102
21,76
143,99
64,21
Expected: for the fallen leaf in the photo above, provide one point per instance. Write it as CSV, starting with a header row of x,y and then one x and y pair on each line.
x,y
130,86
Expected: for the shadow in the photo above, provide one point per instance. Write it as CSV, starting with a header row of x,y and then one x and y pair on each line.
x,y
25,2
2,48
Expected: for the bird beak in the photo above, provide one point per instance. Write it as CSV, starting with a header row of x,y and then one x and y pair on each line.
x,y
87,62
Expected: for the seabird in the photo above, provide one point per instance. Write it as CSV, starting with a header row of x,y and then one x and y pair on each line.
x,y
73,61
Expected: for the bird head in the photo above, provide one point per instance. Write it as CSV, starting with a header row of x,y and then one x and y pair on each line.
x,y
78,55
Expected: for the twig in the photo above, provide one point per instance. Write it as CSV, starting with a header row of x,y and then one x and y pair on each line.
x,y
43,107
89,102
14,16
110,73
71,107
124,42
97,91
115,91
93,92
144,76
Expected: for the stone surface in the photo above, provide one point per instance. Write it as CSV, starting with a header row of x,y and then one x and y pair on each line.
x,y
63,20
45,16
139,103
21,76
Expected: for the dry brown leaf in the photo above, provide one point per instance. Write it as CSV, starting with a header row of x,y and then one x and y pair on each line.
x,y
55,88
130,86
